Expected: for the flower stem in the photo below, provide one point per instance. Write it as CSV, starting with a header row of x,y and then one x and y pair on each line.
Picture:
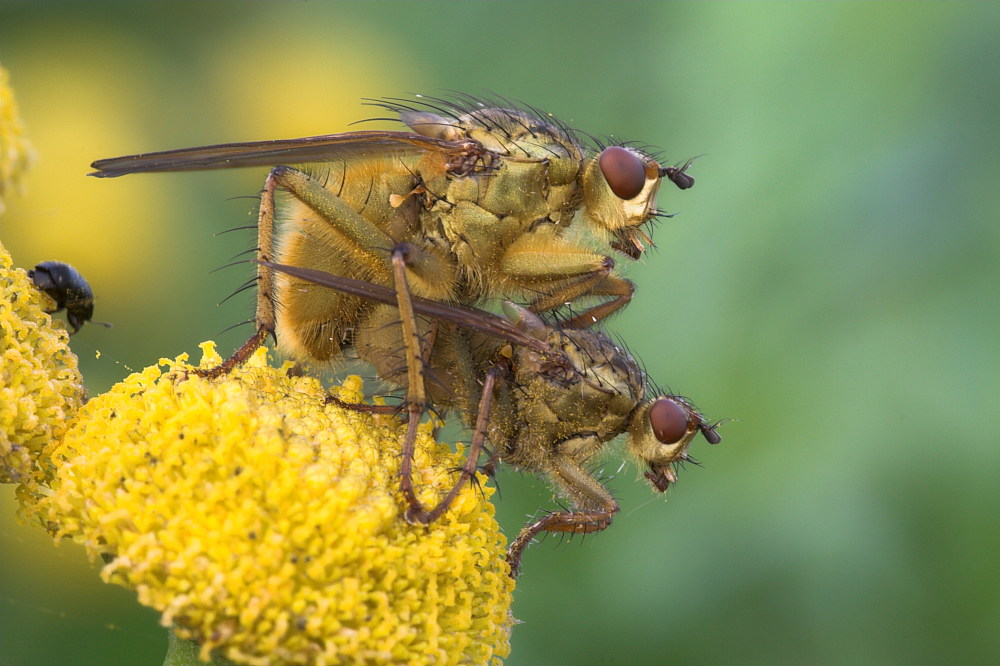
x,y
185,653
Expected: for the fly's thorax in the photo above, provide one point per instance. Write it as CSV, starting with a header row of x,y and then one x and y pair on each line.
x,y
477,240
504,131
517,188
609,377
583,393
483,215
535,171
521,189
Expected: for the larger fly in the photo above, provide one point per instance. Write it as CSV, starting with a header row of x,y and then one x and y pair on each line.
x,y
489,197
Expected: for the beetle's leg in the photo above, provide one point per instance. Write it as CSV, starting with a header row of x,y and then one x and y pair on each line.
x,y
565,275
373,245
597,508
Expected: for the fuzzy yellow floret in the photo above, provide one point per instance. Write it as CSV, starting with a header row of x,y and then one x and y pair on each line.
x,y
267,525
16,153
40,385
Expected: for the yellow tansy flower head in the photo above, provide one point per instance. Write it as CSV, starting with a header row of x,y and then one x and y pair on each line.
x,y
267,525
40,384
16,153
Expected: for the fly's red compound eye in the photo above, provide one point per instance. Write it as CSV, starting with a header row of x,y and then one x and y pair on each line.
x,y
669,421
623,170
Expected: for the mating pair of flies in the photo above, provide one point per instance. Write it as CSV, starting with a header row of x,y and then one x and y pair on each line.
x,y
390,240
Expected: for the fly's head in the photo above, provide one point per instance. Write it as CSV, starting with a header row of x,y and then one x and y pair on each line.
x,y
619,194
660,434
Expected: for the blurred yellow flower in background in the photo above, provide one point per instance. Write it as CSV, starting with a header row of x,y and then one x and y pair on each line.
x,y
266,524
16,153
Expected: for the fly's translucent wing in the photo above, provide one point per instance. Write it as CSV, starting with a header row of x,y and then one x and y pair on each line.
x,y
325,148
467,317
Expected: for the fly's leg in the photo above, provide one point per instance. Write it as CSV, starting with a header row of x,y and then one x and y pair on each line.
x,y
417,513
612,285
239,357
416,399
373,245
597,508
563,521
565,275
362,407
593,285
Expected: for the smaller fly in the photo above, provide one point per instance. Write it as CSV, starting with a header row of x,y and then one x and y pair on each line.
x,y
548,399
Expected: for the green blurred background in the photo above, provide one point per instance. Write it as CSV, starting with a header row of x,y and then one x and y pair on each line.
x,y
830,284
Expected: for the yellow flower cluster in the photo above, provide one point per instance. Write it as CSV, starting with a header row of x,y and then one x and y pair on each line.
x,y
16,154
267,525
40,385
